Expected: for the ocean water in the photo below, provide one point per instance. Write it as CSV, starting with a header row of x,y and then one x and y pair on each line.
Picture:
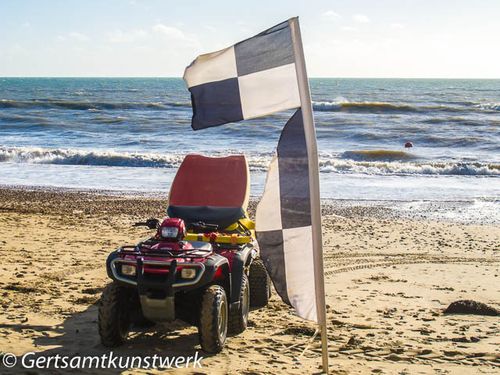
x,y
131,134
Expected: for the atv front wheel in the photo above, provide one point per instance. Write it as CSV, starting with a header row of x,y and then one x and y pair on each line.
x,y
114,315
238,319
212,329
260,284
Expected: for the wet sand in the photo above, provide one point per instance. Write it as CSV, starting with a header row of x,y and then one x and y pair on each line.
x,y
388,279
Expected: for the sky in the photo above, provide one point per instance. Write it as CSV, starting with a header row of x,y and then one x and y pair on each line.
x,y
158,38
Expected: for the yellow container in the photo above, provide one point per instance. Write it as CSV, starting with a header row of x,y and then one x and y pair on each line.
x,y
233,239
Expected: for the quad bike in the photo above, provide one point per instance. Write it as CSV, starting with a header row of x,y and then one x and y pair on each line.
x,y
201,266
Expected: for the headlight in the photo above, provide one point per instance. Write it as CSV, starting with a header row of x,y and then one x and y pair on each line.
x,y
188,273
169,232
128,269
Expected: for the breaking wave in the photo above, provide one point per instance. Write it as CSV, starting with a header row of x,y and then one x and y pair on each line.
x,y
83,157
346,106
489,106
377,155
343,105
378,162
417,168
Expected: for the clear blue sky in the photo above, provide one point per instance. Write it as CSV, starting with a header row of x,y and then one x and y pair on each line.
x,y
356,38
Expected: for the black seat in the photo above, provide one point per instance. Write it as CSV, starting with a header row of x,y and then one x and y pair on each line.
x,y
220,216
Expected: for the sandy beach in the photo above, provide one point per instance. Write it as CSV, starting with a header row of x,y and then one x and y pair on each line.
x,y
388,281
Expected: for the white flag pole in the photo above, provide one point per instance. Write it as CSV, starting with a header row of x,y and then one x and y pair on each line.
x,y
312,152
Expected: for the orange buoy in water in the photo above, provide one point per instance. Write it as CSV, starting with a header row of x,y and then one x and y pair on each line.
x,y
408,144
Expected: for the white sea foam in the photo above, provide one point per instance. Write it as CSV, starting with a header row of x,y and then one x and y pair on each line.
x,y
493,106
407,168
342,104
35,155
88,157
257,162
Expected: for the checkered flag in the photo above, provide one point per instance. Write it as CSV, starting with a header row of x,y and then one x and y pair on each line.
x,y
283,220
253,78
257,77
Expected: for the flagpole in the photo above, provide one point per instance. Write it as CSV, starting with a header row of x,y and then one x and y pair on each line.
x,y
312,152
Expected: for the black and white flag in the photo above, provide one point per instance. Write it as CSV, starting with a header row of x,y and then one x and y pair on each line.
x,y
283,221
253,78
257,77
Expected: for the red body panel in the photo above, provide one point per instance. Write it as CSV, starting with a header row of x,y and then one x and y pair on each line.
x,y
175,247
175,223
183,252
229,254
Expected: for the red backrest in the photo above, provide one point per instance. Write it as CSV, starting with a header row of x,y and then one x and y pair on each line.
x,y
209,181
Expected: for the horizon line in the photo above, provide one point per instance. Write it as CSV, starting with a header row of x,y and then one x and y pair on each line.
x,y
313,77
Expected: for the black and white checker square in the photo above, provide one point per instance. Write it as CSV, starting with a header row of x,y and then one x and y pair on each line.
x,y
283,221
253,78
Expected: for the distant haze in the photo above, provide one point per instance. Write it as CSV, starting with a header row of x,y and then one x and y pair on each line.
x,y
357,38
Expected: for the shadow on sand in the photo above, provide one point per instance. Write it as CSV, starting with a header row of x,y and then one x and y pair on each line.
x,y
78,336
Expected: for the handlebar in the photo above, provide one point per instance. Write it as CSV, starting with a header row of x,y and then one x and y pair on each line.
x,y
150,223
200,226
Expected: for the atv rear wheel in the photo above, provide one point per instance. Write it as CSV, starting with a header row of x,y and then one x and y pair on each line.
x,y
238,319
260,284
212,329
114,315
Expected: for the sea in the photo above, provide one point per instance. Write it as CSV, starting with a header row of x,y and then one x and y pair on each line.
x,y
131,134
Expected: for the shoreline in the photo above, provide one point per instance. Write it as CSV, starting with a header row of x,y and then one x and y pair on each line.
x,y
463,211
159,193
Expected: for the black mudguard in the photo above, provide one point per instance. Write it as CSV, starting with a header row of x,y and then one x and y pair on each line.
x,y
241,259
111,256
